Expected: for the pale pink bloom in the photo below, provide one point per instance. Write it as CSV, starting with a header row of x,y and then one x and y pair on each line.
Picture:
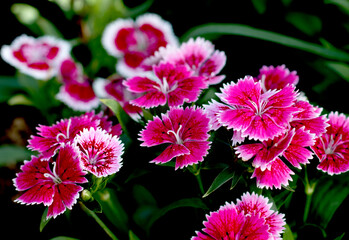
x,y
113,88
51,138
332,147
198,55
275,175
168,83
37,57
100,151
133,41
251,218
56,186
276,77
308,116
260,116
76,91
185,131
256,204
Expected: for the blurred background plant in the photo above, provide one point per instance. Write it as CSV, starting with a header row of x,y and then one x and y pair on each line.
x,y
310,37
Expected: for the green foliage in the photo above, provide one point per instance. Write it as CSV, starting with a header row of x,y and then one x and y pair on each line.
x,y
11,154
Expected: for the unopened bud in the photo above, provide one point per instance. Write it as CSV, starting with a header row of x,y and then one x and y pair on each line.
x,y
86,195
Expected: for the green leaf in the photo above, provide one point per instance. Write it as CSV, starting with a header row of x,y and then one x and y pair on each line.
x,y
19,99
247,31
260,5
341,69
288,235
133,12
63,238
223,177
11,154
132,236
328,196
187,202
308,24
340,237
143,196
113,209
147,115
120,114
342,4
44,221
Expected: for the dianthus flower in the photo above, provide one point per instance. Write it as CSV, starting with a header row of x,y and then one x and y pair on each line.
x,y
39,58
167,84
133,41
198,55
332,147
251,219
260,116
52,137
270,170
100,152
185,130
76,91
308,116
55,187
276,77
114,88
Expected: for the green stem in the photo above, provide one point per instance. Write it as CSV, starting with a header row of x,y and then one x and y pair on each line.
x,y
198,178
309,190
98,220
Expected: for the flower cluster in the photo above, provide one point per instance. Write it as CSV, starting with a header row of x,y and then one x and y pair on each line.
x,y
270,123
73,147
250,218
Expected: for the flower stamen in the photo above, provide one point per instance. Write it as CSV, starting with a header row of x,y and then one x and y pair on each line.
x,y
176,134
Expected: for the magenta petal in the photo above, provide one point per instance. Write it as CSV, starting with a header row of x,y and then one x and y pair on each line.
x,y
42,192
174,150
140,84
69,194
279,174
212,110
316,125
335,164
254,228
155,133
150,99
277,77
57,207
238,119
247,151
197,152
244,93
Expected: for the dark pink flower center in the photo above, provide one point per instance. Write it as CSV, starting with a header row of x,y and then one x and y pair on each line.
x,y
164,87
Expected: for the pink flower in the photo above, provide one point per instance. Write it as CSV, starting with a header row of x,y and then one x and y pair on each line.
x,y
76,91
100,152
276,77
332,147
51,138
197,55
308,116
261,116
169,84
113,88
133,41
276,175
39,58
185,130
252,218
266,151
212,109
255,204
56,188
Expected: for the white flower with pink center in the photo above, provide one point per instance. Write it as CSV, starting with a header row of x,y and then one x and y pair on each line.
x,y
100,152
133,41
39,58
